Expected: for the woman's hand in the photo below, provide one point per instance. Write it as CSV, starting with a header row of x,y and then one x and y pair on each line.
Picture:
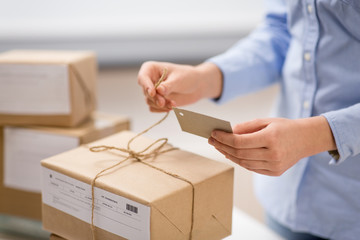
x,y
271,146
183,84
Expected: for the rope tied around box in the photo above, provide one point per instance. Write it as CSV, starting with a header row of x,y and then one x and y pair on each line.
x,y
140,156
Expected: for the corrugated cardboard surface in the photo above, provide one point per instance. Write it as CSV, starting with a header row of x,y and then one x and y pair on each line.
x,y
82,76
170,199
28,204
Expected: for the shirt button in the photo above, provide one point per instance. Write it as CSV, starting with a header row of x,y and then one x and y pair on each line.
x,y
309,8
307,56
306,105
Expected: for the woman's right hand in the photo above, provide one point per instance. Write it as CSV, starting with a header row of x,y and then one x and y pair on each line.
x,y
183,84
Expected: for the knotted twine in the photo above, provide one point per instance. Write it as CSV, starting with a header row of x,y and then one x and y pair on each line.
x,y
140,156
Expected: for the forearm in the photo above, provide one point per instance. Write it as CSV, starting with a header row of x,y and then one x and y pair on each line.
x,y
211,80
316,135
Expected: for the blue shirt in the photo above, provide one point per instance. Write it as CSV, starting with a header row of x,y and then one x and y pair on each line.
x,y
312,48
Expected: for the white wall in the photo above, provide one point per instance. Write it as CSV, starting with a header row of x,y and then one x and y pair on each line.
x,y
128,31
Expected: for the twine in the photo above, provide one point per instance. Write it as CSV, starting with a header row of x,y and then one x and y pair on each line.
x,y
140,156
161,78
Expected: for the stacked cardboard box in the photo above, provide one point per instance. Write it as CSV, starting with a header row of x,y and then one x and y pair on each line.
x,y
47,103
55,237
24,147
135,200
55,88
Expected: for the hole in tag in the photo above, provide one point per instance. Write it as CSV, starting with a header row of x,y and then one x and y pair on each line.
x,y
181,114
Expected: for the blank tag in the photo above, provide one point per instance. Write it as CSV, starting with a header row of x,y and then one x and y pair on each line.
x,y
200,124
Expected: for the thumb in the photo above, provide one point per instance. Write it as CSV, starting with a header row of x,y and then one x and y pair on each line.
x,y
250,127
166,87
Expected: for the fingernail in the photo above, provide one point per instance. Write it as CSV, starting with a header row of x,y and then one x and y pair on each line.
x,y
213,134
150,92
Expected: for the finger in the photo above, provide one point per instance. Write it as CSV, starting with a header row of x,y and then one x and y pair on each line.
x,y
242,153
250,126
160,101
172,84
161,89
170,104
178,99
167,106
147,84
222,152
157,101
265,172
249,164
152,109
166,87
148,75
250,140
259,171
150,102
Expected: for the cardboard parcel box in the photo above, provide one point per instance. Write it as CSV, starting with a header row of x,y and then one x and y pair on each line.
x,y
56,237
53,88
25,147
135,201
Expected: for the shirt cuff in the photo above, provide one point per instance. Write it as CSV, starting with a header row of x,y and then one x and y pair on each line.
x,y
344,124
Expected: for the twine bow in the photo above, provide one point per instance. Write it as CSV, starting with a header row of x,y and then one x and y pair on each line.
x,y
148,152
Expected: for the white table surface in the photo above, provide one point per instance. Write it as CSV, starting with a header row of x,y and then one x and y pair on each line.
x,y
246,227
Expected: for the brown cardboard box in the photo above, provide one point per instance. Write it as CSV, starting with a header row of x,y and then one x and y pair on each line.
x,y
56,237
21,197
135,198
52,88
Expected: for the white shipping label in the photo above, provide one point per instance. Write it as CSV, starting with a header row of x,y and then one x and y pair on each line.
x,y
113,213
34,89
24,149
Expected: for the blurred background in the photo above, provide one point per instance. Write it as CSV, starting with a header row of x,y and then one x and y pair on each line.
x,y
124,34
129,32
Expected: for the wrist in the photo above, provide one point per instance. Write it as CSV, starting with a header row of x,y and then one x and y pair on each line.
x,y
211,80
318,135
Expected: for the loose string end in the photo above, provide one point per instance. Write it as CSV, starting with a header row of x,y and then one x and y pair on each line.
x,y
162,78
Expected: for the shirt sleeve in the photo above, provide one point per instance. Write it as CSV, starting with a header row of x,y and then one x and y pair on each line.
x,y
345,126
256,61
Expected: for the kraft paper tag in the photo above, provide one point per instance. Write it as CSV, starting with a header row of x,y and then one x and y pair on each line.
x,y
200,124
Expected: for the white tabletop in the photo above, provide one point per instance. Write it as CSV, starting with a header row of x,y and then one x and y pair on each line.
x,y
246,227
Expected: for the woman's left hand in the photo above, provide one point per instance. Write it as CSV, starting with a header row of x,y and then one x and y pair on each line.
x,y
271,146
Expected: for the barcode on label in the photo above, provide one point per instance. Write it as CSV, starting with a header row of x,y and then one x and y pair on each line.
x,y
131,208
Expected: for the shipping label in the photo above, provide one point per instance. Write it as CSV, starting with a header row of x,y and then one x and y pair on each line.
x,y
24,149
32,89
113,213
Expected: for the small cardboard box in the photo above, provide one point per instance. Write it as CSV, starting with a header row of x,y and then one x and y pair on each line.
x,y
52,88
22,148
134,200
